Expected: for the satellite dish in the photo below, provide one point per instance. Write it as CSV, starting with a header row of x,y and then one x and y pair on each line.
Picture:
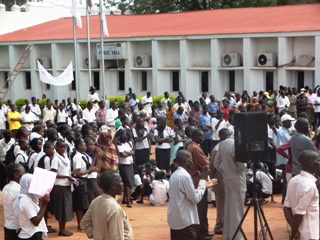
x,y
227,59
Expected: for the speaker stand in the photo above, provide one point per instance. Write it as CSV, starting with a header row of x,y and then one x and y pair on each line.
x,y
258,216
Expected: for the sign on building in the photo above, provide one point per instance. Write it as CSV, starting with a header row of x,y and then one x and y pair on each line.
x,y
112,51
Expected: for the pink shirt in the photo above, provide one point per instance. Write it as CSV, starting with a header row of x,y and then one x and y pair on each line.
x,y
303,199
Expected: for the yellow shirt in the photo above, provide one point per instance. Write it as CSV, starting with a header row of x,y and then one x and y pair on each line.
x,y
14,125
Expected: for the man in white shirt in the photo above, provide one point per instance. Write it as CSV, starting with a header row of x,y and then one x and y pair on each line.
x,y
28,118
49,112
35,108
112,114
182,208
283,101
301,207
88,114
9,194
2,116
147,103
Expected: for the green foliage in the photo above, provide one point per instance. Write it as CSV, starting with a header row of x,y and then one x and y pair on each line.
x,y
83,103
158,98
20,102
163,6
5,102
42,103
119,99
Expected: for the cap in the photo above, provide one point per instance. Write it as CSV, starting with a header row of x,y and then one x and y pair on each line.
x,y
302,90
287,117
92,88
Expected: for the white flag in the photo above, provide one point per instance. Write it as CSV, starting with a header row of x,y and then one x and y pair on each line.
x,y
104,22
75,13
65,78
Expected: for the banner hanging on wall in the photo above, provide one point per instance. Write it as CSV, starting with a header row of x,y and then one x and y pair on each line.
x,y
63,79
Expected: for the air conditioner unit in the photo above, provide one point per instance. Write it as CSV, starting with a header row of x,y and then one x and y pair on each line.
x,y
306,61
45,62
267,60
143,61
94,62
231,60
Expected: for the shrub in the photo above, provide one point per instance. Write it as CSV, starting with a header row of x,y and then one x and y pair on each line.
x,y
83,103
20,102
42,103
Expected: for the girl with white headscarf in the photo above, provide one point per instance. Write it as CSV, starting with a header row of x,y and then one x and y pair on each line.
x,y
28,212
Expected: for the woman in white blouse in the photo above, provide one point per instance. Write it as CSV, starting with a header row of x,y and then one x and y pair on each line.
x,y
163,136
125,153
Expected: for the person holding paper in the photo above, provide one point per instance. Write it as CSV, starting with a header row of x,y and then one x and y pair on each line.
x,y
9,194
62,189
28,212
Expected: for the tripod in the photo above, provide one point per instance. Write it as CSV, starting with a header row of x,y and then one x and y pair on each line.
x,y
258,215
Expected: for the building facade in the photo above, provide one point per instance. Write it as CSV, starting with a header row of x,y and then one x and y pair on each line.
x,y
259,49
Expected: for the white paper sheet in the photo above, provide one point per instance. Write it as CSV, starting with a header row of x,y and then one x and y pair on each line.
x,y
42,181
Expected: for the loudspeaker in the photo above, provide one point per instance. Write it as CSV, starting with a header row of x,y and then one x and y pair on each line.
x,y
251,137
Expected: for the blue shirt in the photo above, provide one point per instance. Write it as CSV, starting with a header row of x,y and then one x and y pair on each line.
x,y
205,120
213,107
283,136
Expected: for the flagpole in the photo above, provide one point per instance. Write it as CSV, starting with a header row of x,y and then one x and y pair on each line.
x,y
75,59
88,42
102,51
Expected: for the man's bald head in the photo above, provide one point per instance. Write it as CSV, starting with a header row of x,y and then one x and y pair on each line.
x,y
224,133
184,159
310,161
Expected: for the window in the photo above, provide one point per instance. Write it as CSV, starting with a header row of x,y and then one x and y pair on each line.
x,y
300,80
48,86
121,86
269,81
6,75
96,80
28,80
175,81
232,81
144,84
73,83
204,81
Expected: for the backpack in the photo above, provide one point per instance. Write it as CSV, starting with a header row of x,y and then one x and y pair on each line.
x,y
41,161
10,158
31,168
24,164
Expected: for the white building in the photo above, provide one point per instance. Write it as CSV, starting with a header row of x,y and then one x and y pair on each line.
x,y
213,50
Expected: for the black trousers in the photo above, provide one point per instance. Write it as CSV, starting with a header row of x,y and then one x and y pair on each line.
x,y
202,207
188,233
10,234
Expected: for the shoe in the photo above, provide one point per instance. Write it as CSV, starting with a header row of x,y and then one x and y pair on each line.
x,y
65,234
51,230
208,234
140,201
218,232
129,205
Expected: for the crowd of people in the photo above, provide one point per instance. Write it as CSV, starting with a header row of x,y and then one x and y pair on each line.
x,y
104,150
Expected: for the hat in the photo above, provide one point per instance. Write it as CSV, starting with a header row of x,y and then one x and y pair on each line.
x,y
302,90
92,88
287,117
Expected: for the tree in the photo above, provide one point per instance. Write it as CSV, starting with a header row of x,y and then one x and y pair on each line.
x,y
162,6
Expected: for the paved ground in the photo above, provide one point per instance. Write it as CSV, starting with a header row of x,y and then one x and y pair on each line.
x,y
150,223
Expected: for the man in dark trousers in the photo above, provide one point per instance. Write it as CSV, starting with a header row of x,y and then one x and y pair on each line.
x,y
300,141
182,209
200,161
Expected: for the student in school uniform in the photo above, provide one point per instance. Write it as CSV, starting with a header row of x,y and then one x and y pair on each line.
x,y
62,189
